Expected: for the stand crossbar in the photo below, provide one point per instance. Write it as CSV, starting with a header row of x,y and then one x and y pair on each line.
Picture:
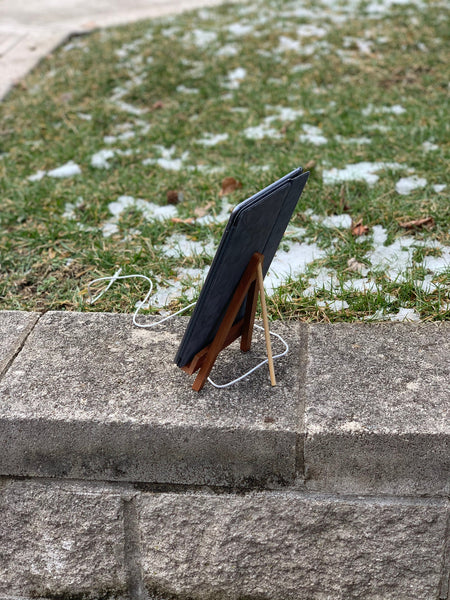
x,y
250,284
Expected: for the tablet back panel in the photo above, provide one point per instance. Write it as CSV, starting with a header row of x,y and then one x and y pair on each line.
x,y
255,225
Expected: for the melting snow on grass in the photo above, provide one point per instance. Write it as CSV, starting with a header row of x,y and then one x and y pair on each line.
x,y
265,129
370,109
68,170
291,263
180,246
210,139
235,78
406,185
149,210
404,315
100,159
363,171
396,258
313,135
166,161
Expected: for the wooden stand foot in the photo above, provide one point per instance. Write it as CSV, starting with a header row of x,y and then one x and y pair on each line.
x,y
250,285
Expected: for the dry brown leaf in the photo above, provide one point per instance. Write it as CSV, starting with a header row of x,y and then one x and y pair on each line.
x,y
158,105
427,222
310,165
229,185
359,229
201,211
186,221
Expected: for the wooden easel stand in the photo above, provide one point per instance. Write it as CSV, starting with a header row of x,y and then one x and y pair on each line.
x,y
249,286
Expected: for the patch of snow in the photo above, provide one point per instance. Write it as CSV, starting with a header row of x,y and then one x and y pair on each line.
x,y
260,132
165,295
363,171
99,160
300,12
363,285
37,176
69,209
222,217
196,275
210,170
301,68
170,31
311,31
235,78
438,264
426,284
396,258
291,263
429,146
180,246
405,315
378,127
126,135
182,89
335,305
84,116
68,170
284,113
287,44
323,281
202,38
166,161
129,108
439,187
334,221
227,50
209,139
109,229
313,135
150,211
395,109
357,140
239,29
259,168
406,185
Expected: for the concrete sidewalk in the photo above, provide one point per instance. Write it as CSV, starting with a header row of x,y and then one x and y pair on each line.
x,y
30,29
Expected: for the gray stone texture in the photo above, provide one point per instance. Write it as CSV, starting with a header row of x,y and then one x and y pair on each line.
x,y
287,546
61,540
91,396
377,417
14,328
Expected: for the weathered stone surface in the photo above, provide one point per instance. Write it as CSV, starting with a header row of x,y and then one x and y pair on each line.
x,y
287,546
93,397
377,416
59,540
14,328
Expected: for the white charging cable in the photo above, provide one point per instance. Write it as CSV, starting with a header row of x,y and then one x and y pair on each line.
x,y
117,276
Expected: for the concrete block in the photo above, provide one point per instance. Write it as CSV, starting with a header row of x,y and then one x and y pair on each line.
x,y
377,415
61,540
14,329
287,546
93,397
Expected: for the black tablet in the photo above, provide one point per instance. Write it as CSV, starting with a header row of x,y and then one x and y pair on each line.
x,y
255,225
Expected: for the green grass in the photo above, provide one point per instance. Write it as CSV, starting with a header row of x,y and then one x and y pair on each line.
x,y
65,108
